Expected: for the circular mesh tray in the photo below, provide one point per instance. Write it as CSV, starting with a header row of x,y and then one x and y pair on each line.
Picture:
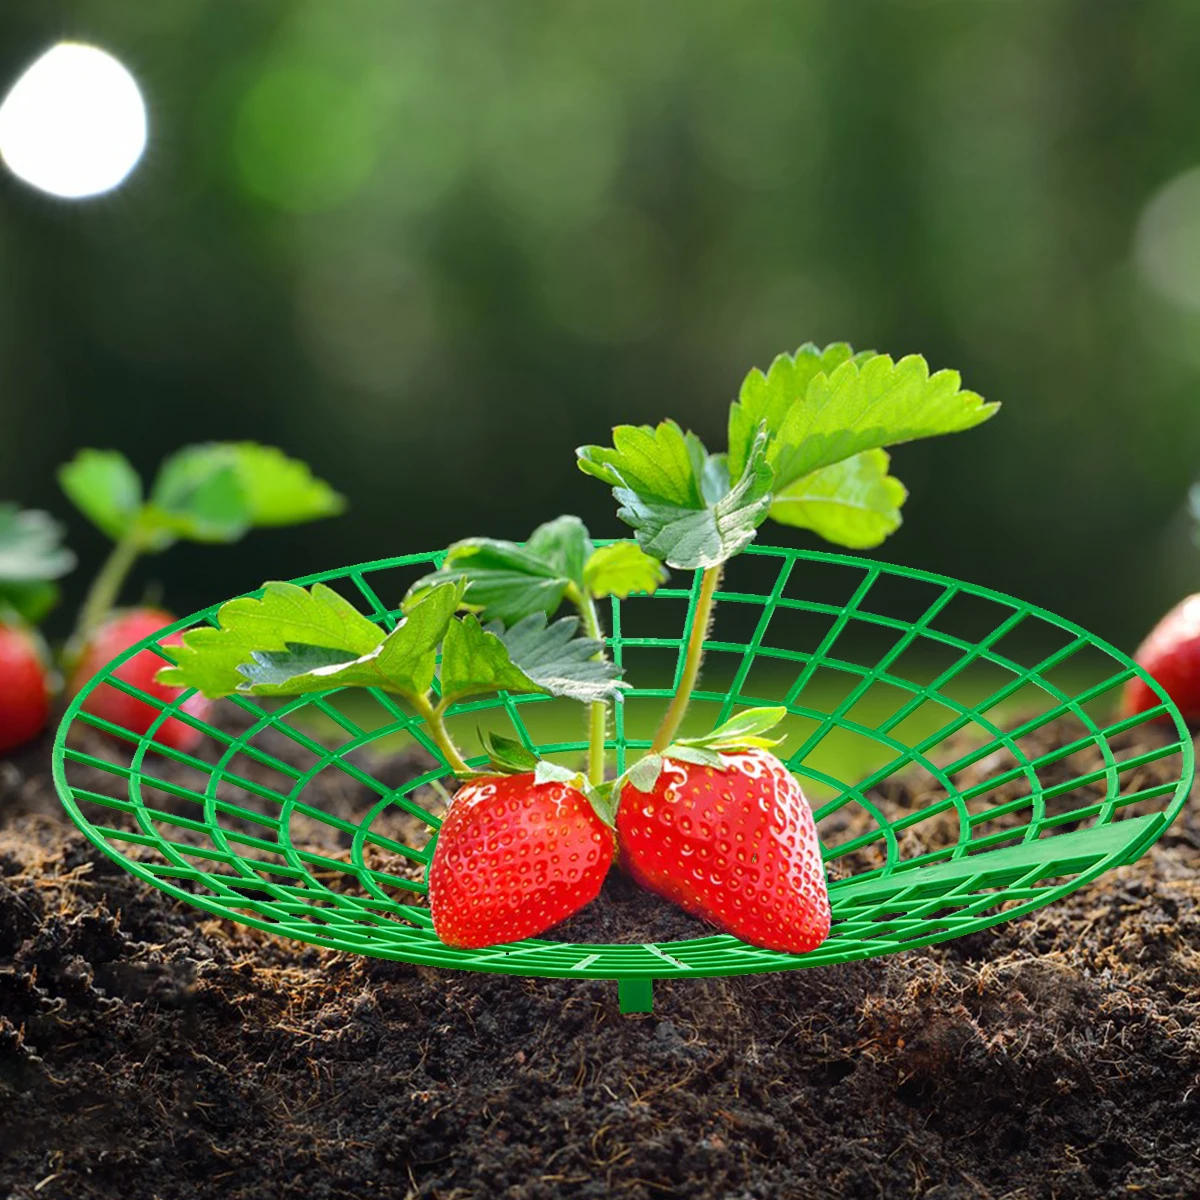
x,y
959,748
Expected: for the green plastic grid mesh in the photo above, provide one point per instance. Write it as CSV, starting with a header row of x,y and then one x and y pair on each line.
x,y
958,745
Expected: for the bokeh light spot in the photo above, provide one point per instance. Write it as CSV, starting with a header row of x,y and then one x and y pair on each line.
x,y
1167,241
74,124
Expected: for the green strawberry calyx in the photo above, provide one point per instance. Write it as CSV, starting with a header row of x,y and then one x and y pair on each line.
x,y
743,732
506,756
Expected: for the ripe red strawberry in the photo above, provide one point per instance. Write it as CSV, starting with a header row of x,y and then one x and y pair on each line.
x,y
24,687
513,858
119,633
1172,655
736,845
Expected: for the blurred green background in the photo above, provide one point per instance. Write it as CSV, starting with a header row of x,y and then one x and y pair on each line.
x,y
431,247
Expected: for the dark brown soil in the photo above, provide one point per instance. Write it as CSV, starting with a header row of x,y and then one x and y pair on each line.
x,y
149,1051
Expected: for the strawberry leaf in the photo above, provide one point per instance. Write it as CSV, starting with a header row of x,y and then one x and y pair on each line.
x,y
853,503
768,398
279,490
563,546
105,488
476,661
31,546
217,491
557,661
621,569
197,496
274,668
507,582
681,501
285,615
861,404
402,663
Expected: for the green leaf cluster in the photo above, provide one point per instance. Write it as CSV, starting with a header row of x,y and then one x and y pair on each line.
x,y
291,641
806,447
32,557
509,582
683,503
213,492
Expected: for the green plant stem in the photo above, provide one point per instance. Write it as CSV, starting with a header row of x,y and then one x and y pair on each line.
x,y
441,735
106,587
701,619
598,709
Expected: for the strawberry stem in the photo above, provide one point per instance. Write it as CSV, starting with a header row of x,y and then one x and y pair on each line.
x,y
441,735
701,620
598,709
106,587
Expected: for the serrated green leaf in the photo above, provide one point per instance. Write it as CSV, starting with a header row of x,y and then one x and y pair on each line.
x,y
507,582
853,503
271,668
868,406
31,548
403,663
280,490
661,463
476,661
621,569
208,658
105,488
558,661
677,497
768,397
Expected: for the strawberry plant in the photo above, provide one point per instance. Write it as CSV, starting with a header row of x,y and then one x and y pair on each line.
x,y
717,824
206,493
214,492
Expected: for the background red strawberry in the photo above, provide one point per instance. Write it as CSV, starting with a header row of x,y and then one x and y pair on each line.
x,y
736,845
24,687
513,858
119,633
1171,653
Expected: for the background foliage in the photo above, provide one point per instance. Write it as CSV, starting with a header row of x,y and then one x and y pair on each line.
x,y
432,247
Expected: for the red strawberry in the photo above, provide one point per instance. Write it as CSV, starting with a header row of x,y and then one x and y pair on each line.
x,y
736,845
119,633
24,687
1171,654
513,858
